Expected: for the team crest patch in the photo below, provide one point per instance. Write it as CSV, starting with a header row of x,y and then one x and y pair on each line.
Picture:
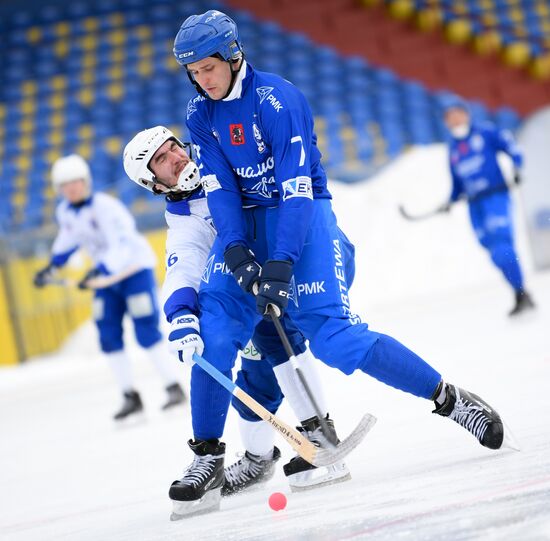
x,y
237,134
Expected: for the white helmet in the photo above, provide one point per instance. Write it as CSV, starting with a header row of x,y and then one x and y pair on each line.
x,y
141,149
69,168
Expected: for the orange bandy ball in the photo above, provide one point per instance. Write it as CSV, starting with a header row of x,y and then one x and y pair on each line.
x,y
277,501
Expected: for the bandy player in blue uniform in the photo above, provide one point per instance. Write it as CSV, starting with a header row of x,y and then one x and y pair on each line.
x,y
477,177
157,160
267,193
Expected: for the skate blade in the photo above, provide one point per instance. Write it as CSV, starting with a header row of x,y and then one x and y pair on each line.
x,y
208,503
134,419
510,441
326,457
320,482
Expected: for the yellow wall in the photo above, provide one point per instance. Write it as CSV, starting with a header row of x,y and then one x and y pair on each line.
x,y
46,317
8,348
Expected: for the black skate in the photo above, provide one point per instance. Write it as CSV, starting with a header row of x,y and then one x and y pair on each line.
x,y
199,490
475,415
304,476
524,303
132,404
249,470
176,396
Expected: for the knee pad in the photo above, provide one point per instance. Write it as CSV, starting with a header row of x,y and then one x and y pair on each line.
x,y
140,305
98,308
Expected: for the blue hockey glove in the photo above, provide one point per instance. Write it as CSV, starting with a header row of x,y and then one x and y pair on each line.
x,y
274,287
242,263
92,273
43,276
185,336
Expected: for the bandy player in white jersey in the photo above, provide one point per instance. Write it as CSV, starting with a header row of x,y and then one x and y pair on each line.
x,y
156,160
122,276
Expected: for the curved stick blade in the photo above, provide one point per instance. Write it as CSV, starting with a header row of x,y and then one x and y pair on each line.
x,y
326,457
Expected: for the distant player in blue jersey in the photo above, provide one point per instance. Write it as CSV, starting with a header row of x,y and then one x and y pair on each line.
x,y
477,177
268,196
122,257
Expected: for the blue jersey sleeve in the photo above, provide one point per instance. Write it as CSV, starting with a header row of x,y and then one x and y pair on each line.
x,y
290,134
456,187
220,184
505,142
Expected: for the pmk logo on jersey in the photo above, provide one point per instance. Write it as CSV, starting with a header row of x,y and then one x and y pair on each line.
x,y
297,187
237,134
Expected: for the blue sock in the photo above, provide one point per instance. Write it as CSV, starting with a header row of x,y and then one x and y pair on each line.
x,y
209,404
392,363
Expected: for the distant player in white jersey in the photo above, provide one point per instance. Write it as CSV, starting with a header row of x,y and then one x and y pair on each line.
x,y
122,276
156,160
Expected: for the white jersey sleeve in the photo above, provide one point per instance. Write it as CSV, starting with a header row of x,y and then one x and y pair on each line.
x,y
107,231
188,243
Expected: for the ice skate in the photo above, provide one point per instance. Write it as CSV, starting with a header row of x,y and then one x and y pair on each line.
x,y
176,396
304,476
131,406
524,303
475,415
250,470
199,490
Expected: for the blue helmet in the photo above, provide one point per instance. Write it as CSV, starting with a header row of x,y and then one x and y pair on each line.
x,y
210,34
452,101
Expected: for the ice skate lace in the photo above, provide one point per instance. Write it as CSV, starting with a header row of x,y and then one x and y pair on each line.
x,y
199,470
471,417
242,471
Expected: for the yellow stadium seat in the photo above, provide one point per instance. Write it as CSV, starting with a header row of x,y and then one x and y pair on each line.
x,y
19,199
26,143
118,55
34,34
61,48
85,150
116,19
57,100
22,162
85,132
28,106
26,125
517,54
57,120
52,154
56,137
113,145
89,61
402,9
458,31
428,19
487,43
62,29
117,37
88,42
143,32
91,24
28,88
145,67
116,91
540,67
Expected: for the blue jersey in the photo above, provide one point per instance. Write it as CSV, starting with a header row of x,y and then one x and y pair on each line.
x,y
259,149
473,161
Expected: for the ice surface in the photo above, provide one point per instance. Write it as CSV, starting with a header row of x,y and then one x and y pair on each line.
x,y
68,473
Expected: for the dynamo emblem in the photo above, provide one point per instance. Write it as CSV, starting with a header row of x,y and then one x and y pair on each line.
x,y
207,270
263,92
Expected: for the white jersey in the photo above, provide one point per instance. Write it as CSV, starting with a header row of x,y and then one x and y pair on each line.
x,y
106,230
190,237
